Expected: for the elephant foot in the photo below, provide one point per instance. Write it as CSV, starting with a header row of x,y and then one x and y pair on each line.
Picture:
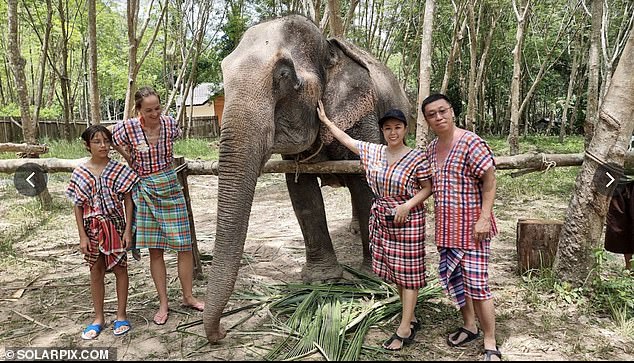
x,y
321,273
354,227
366,266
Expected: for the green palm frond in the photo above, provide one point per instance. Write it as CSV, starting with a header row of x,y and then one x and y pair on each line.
x,y
333,319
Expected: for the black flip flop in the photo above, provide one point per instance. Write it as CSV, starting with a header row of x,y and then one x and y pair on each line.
x,y
488,353
404,341
470,337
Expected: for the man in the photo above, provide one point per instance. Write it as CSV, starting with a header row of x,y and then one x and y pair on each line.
x,y
463,184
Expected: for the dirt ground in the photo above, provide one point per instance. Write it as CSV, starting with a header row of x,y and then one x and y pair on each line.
x,y
45,295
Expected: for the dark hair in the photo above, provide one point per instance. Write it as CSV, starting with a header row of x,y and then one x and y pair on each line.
x,y
141,93
92,130
435,97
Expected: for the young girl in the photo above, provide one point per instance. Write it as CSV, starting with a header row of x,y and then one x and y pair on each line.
x,y
96,189
161,221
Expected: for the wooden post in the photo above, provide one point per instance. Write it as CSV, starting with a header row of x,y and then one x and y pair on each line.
x,y
537,241
181,172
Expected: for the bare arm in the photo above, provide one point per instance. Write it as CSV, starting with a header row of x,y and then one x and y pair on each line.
x,y
129,209
341,136
483,225
84,241
402,211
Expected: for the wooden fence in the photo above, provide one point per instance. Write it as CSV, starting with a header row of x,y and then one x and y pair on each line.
x,y
11,130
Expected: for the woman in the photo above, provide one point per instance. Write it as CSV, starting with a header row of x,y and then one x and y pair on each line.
x,y
161,214
464,189
400,180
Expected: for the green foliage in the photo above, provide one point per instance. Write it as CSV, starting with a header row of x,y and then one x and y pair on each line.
x,y
613,290
537,144
333,319
196,149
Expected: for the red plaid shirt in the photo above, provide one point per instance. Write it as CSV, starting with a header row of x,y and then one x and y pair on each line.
x,y
147,159
457,190
400,178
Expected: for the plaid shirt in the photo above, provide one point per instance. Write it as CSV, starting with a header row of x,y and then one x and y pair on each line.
x,y
101,195
400,178
458,190
146,158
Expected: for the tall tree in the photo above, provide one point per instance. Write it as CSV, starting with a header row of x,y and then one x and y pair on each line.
x,y
582,230
95,109
134,41
29,128
592,105
422,130
522,18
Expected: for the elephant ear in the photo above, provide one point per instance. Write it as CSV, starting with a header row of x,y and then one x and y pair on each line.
x,y
350,93
360,56
285,77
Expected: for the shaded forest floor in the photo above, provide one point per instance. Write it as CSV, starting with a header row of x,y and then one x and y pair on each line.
x,y
39,252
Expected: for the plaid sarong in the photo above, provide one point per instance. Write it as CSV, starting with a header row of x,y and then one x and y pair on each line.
x,y
104,233
465,272
161,213
398,251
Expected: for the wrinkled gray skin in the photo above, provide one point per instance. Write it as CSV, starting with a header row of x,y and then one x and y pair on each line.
x,y
272,82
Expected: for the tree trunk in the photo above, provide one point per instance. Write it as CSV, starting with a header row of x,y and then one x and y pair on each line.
x,y
17,66
134,40
335,21
422,129
95,109
473,54
455,48
582,230
592,105
513,138
571,86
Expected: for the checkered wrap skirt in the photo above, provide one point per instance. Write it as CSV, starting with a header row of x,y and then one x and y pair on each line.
x,y
161,213
104,233
398,251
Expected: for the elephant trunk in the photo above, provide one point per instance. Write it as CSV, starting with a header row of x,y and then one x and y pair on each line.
x,y
243,152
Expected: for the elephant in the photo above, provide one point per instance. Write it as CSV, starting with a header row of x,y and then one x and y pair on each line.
x,y
273,81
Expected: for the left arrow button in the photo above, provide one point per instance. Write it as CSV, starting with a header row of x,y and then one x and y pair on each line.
x,y
30,179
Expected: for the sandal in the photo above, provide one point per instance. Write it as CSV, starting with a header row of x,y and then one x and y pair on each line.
x,y
121,327
404,341
416,325
470,337
488,353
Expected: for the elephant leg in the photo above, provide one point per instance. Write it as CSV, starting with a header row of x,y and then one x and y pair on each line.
x,y
308,203
361,198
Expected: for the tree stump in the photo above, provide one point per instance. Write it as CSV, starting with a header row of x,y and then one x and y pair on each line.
x,y
537,241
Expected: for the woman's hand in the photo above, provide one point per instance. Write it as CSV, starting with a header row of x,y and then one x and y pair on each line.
x,y
402,214
322,114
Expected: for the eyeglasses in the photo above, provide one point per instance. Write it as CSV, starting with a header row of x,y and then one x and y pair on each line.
x,y
441,112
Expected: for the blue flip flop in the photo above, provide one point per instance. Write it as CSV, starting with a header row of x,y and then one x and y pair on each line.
x,y
92,327
120,324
